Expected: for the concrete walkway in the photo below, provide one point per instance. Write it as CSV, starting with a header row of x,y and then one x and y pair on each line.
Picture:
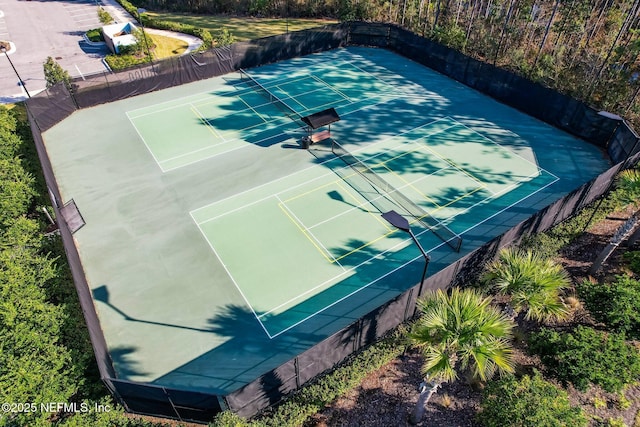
x,y
119,14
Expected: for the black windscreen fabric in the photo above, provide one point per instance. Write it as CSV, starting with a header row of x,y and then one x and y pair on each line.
x,y
532,98
51,106
267,390
55,104
179,404
624,143
144,399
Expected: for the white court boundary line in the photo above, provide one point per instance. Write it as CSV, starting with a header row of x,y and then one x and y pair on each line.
x,y
401,243
186,100
251,130
306,229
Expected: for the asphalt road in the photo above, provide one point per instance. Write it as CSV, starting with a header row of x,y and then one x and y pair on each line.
x,y
42,28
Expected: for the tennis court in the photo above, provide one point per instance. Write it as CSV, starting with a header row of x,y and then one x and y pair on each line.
x,y
215,240
213,123
315,216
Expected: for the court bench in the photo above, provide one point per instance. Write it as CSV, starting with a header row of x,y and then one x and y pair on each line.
x,y
315,137
320,136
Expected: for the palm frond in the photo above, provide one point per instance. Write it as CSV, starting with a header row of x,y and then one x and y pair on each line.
x,y
532,281
462,328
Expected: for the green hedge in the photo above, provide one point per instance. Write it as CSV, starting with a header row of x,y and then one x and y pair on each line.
x,y
201,33
615,304
296,410
122,62
585,356
45,352
95,35
528,402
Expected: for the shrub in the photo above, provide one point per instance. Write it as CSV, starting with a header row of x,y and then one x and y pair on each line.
x,y
616,304
548,244
16,190
616,422
632,258
628,187
224,37
104,16
121,62
54,73
586,356
533,282
95,35
529,401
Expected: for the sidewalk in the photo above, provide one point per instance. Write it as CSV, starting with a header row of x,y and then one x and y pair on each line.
x,y
119,14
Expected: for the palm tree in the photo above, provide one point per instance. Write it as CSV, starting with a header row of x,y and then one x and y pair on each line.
x,y
533,282
460,333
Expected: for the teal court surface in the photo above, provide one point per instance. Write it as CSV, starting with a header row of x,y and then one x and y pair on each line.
x,y
216,248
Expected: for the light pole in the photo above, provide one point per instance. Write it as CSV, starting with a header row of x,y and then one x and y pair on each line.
x,y
426,389
140,11
20,81
401,223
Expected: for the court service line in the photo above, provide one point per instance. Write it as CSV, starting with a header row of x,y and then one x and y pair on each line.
x,y
145,143
252,109
206,122
359,206
458,167
411,185
384,141
403,265
206,96
419,257
506,148
209,147
388,85
308,234
495,195
182,101
503,209
331,87
227,141
328,281
302,171
226,269
279,120
283,178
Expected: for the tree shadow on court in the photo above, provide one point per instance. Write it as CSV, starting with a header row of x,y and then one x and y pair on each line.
x,y
242,351
125,365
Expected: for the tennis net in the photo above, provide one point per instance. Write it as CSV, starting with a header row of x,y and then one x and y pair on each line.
x,y
443,232
258,87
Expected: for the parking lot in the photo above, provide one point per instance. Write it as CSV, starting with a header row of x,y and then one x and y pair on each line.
x,y
40,29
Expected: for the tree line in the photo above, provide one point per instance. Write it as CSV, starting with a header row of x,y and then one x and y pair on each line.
x,y
585,48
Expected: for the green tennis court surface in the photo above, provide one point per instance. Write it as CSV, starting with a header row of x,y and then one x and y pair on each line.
x,y
298,229
190,129
216,248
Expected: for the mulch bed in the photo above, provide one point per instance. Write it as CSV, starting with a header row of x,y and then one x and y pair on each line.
x,y
387,397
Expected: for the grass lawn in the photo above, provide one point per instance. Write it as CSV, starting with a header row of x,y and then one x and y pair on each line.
x,y
167,46
242,28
